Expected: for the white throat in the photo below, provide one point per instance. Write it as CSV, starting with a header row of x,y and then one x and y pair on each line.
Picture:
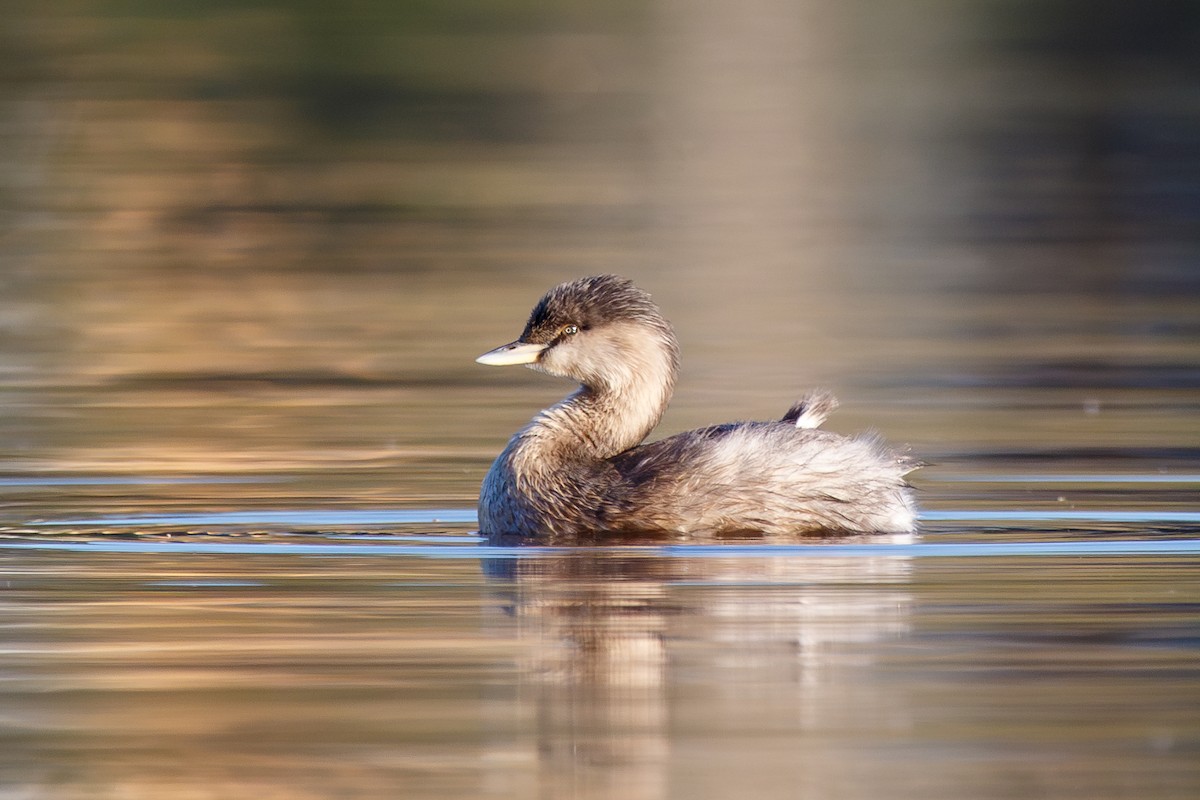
x,y
629,379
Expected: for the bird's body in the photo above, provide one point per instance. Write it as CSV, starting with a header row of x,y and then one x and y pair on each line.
x,y
577,468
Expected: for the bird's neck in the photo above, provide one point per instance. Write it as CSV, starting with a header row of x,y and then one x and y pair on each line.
x,y
603,420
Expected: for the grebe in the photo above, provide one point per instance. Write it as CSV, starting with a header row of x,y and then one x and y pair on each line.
x,y
577,468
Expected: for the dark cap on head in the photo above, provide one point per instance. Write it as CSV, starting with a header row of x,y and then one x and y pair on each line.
x,y
590,303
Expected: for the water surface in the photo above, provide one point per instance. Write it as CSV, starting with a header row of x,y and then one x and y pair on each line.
x,y
249,252
357,663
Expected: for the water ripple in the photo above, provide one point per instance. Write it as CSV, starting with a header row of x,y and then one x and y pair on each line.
x,y
340,518
1073,478
363,518
135,480
444,551
1145,516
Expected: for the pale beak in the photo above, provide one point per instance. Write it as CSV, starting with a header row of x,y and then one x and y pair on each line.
x,y
512,353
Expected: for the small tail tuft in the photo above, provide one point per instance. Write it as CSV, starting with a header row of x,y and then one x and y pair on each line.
x,y
812,409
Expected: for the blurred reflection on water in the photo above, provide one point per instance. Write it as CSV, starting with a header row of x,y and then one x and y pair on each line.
x,y
171,672
248,253
632,663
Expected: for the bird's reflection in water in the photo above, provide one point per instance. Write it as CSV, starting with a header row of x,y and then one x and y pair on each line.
x,y
637,660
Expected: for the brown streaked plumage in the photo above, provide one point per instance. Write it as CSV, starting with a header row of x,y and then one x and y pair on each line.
x,y
577,468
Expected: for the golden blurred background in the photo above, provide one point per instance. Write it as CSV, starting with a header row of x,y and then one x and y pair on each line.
x,y
271,236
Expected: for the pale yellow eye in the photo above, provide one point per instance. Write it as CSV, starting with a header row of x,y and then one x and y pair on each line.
x,y
571,330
